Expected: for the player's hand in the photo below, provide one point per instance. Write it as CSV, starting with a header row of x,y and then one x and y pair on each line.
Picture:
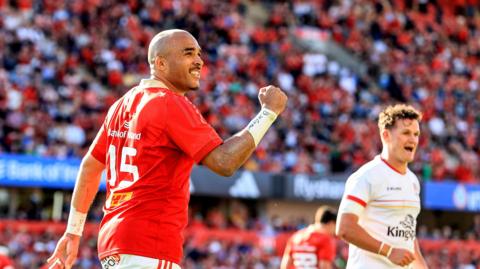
x,y
273,98
65,253
400,256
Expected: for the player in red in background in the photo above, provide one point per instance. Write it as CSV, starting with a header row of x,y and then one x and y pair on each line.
x,y
312,247
148,144
5,261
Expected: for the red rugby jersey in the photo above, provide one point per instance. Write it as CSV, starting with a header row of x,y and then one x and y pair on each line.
x,y
308,246
149,142
5,262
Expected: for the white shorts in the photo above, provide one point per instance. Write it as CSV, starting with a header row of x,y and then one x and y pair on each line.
x,y
124,261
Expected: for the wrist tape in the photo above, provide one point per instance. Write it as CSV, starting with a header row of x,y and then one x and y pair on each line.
x,y
380,248
76,222
259,125
389,252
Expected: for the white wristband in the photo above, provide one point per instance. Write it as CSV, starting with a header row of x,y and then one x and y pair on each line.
x,y
259,125
76,221
389,252
380,249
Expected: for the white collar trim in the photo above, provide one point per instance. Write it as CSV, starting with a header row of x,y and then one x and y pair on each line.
x,y
152,83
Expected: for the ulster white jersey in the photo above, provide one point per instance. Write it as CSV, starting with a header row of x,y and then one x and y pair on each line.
x,y
387,204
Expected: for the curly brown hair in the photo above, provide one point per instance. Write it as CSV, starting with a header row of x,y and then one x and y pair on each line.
x,y
391,114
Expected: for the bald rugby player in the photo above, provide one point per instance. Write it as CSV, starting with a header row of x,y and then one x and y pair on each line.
x,y
149,141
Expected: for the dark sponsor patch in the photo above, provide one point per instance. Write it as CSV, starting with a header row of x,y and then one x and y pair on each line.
x,y
111,261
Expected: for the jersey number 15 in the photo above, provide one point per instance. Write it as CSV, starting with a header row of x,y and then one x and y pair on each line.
x,y
124,167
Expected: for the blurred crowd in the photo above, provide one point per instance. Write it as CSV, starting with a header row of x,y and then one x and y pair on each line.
x,y
29,244
63,63
422,52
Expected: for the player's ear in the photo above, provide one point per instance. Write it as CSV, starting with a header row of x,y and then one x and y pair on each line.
x,y
385,135
160,63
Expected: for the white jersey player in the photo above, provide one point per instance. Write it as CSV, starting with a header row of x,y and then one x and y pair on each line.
x,y
377,215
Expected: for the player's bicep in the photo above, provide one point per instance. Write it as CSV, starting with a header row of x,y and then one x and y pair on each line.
x,y
91,166
356,195
346,223
352,204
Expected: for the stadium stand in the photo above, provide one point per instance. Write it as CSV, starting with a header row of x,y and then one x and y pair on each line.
x,y
63,65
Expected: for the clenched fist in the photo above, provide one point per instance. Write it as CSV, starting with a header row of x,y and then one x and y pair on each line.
x,y
400,256
273,98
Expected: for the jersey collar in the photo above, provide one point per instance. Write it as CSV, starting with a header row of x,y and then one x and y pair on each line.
x,y
151,83
391,167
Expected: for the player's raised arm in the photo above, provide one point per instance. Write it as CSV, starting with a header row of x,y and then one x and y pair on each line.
x,y
229,156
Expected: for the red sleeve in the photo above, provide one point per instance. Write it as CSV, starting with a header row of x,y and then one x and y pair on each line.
x,y
189,130
98,149
288,247
5,261
327,251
